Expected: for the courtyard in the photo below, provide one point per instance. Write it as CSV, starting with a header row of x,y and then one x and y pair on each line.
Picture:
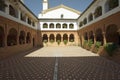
x,y
58,63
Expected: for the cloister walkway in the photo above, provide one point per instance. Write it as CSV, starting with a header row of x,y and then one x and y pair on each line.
x,y
58,63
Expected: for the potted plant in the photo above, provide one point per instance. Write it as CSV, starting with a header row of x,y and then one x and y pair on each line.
x,y
51,41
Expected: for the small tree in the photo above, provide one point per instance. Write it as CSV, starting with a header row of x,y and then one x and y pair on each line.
x,y
97,45
90,42
45,41
110,48
58,42
65,42
51,41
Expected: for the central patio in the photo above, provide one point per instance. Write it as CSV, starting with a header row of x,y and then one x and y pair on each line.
x,y
58,63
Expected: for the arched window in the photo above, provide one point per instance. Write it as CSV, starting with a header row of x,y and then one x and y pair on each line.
x,y
12,11
71,26
45,25
2,5
64,26
28,38
52,38
111,4
65,37
112,34
45,38
29,21
58,25
58,37
22,37
85,21
23,17
90,17
1,37
71,38
81,24
12,37
98,11
51,25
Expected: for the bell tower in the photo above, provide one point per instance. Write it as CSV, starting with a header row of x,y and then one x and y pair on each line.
x,y
45,4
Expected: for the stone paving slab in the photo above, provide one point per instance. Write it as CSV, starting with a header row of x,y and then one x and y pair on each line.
x,y
73,63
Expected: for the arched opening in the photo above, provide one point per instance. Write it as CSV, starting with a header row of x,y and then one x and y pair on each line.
x,y
28,38
111,4
45,25
71,38
71,26
98,12
58,37
1,37
86,36
91,36
65,37
90,17
81,24
85,21
99,36
112,34
64,26
52,38
13,12
45,38
12,37
58,25
51,25
2,5
22,37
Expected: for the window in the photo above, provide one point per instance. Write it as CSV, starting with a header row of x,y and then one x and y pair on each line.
x,y
33,24
90,17
111,4
64,26
85,21
98,12
71,26
23,18
2,5
81,24
51,25
12,11
45,25
29,21
62,15
58,25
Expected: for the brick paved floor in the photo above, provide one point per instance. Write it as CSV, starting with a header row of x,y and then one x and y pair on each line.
x,y
73,63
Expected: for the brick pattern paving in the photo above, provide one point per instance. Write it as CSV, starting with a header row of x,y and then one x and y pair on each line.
x,y
22,67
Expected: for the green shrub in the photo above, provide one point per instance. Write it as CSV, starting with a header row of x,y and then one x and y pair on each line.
x,y
65,42
45,41
58,42
97,45
85,43
51,41
110,48
90,42
71,40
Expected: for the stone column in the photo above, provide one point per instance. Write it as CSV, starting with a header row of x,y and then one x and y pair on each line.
x,y
104,38
94,38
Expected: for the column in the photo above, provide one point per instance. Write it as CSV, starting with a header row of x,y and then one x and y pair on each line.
x,y
94,38
104,38
7,8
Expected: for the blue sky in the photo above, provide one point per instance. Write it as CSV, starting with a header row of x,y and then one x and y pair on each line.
x,y
36,5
